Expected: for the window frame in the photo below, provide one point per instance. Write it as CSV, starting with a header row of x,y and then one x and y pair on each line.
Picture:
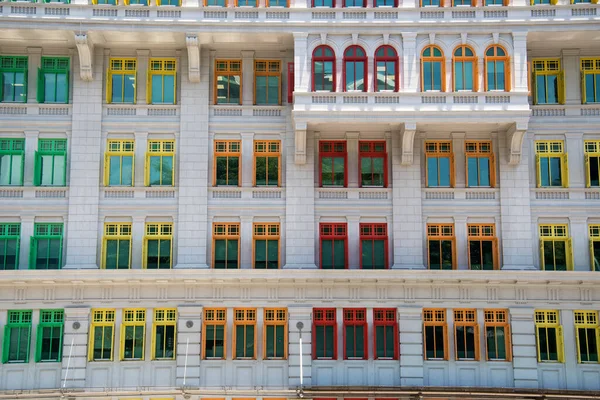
x,y
355,58
591,148
498,318
268,73
227,149
22,320
372,153
586,319
324,317
442,60
439,149
126,65
544,319
464,59
555,233
324,59
547,67
214,317
13,147
385,59
53,318
440,232
384,317
267,149
226,231
119,231
357,318
434,317
480,233
275,317
373,232
14,68
589,66
229,72
51,229
245,317
268,232
162,148
332,153
10,231
594,236
119,148
158,231
337,231
268,3
101,318
41,79
480,149
551,149
165,317
466,318
161,66
495,58
132,318
50,147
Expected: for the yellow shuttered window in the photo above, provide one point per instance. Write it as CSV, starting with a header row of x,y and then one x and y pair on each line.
x,y
587,334
160,163
549,336
102,334
161,85
119,162
592,163
164,334
133,332
548,81
594,232
556,250
158,245
116,246
552,164
121,84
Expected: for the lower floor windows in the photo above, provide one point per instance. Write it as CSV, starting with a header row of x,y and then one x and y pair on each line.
x,y
244,334
164,329
266,246
334,242
117,246
275,344
226,242
9,246
441,246
46,246
587,335
213,342
17,337
133,332
50,336
435,334
497,334
373,246
466,335
482,247
555,248
102,334
158,246
549,336
595,247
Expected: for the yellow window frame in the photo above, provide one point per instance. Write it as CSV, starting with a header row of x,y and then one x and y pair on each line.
x,y
216,317
556,233
267,148
479,232
133,317
549,319
115,231
119,148
160,148
442,232
589,66
227,148
163,67
439,149
551,149
157,231
548,67
586,319
591,149
594,233
498,318
268,68
158,3
102,317
276,317
228,68
121,66
164,317
244,317
435,317
464,317
480,149
267,232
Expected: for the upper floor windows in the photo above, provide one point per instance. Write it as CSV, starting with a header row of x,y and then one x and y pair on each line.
x,y
481,170
160,163
158,246
323,3
17,336
496,69
13,79
464,63
215,3
441,246
228,82
433,70
439,166
592,163
10,240
118,163
227,159
46,246
373,246
267,82
164,328
324,330
162,78
466,335
121,81
431,3
386,69
385,3
266,246
594,232
497,333
373,164
556,249
278,3
435,334
332,161
267,162
334,246
214,325
355,69
133,333
386,333
355,334
547,81
226,245
116,247
590,80
53,80
12,162
323,67
483,247
51,163
551,164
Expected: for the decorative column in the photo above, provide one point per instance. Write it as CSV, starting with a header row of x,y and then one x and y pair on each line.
x,y
141,146
138,230
460,233
301,62
519,60
34,61
352,139
246,242
31,146
189,327
75,346
524,351
410,65
247,162
411,345
578,229
302,315
27,224
353,241
572,84
143,57
247,77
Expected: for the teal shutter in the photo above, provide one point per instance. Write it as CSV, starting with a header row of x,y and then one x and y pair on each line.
x,y
32,252
6,344
68,86
40,86
37,174
1,86
25,81
38,343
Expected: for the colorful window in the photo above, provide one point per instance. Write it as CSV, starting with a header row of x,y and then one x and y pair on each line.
x,y
164,330
354,3
385,333
214,326
10,240
324,334
46,247
227,162
590,80
228,82
373,246
548,81
267,82
355,68
334,246
332,159
435,334
246,3
160,163
13,79
106,2
496,2
535,2
587,334
497,68
483,247
386,64
439,164
464,3
136,2
50,336
276,335
162,81
323,3
168,2
133,329
373,164
102,334
267,162
226,246
433,70
323,66
385,3
121,81
466,335
552,164
592,162
549,335
441,246
17,337
12,156
158,246
215,3
266,246
431,3
118,162
116,252
555,248
51,163
355,334
53,80
464,64
278,3
497,335
481,164
594,247
244,333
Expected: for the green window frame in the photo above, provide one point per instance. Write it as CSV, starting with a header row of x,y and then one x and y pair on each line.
x,y
439,159
162,81
13,79
116,249
121,80
17,337
10,242
548,80
46,246
53,80
226,246
50,330
51,163
119,162
12,162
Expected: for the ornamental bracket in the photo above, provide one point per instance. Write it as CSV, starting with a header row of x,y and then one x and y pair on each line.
x,y
514,136
300,144
408,139
193,48
85,49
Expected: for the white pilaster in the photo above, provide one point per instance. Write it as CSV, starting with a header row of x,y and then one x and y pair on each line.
x,y
27,223
410,65
524,347
574,146
245,256
189,327
301,62
352,139
353,241
301,314
31,146
247,77
411,345
141,147
34,61
519,60
138,229
247,161
75,346
143,57
578,231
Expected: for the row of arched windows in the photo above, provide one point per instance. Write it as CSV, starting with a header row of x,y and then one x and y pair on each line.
x,y
465,74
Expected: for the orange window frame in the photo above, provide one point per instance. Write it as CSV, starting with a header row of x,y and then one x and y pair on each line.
x,y
479,232
268,68
498,318
433,58
374,232
267,232
373,149
481,149
324,317
276,317
215,317
356,318
268,149
464,58
439,149
385,317
226,231
466,318
506,60
245,317
228,68
441,232
333,231
433,317
227,148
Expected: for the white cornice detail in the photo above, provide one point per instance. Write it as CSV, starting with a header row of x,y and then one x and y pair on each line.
x,y
193,48
85,48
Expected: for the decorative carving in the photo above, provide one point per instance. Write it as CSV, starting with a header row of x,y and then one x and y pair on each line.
x,y
85,48
408,139
300,154
515,135
193,47
354,293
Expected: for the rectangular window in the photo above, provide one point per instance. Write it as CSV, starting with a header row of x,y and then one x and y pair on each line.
x,y
481,165
175,3
160,163
548,332
332,159
53,80
373,164
10,240
121,81
226,246
277,3
162,81
118,163
13,79
373,246
483,247
386,333
334,246
587,333
556,250
266,246
592,163
551,164
158,246
441,246
548,81
102,334
164,328
324,334
497,335
215,3
133,329
276,338
50,336
355,334
228,82
439,162
51,163
17,337
227,162
117,246
244,334
46,247
267,162
590,80
466,335
214,326
12,162
594,247
435,334
267,82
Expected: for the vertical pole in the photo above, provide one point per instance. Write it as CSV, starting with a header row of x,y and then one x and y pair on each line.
x,y
68,363
187,346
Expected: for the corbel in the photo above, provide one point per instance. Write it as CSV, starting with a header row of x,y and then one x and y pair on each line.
x,y
85,48
515,135
408,140
193,48
300,143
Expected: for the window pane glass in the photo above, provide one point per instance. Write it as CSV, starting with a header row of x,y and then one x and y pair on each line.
x,y
491,74
220,253
552,344
429,342
260,254
269,341
50,88
127,170
350,76
544,171
560,255
239,341
475,254
129,88
427,78
59,170
233,165
434,255
152,256
468,71
221,173
461,351
596,255
273,171
338,171
488,254
360,74
484,171
326,254
500,77
437,75
444,163
432,172
124,257
167,171
46,167
367,254
169,90
552,88
155,172
350,342
165,253
219,341
320,341
111,254
62,85
379,254
446,254
360,341
594,170
378,171
280,341
232,253
459,83
157,89
273,254
473,179
555,171
366,170
114,176
261,171
273,90
339,254
261,90
540,85
117,88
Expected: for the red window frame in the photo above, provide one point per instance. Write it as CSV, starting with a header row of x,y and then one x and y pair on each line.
x,y
386,58
385,317
329,231
324,317
356,317
374,232
353,57
333,149
371,152
290,83
323,58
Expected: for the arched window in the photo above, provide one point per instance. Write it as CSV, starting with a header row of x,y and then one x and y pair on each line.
x,y
433,71
355,69
323,67
386,69
464,66
497,69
